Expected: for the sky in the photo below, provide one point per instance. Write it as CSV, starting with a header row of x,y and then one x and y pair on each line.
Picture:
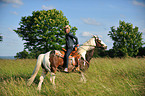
x,y
91,17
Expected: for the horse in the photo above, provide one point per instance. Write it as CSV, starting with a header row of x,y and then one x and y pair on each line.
x,y
53,61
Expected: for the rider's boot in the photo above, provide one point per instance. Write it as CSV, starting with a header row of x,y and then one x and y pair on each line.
x,y
66,70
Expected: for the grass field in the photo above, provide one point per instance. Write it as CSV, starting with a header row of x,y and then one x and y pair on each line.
x,y
105,77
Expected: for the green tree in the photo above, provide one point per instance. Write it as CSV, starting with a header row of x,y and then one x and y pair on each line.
x,y
22,55
43,31
1,38
127,40
141,52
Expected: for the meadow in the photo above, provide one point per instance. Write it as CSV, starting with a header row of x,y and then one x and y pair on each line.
x,y
105,77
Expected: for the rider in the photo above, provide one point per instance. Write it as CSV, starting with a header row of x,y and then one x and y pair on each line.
x,y
71,40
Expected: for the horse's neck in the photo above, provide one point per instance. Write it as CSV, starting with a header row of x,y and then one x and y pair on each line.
x,y
85,48
89,54
90,42
89,45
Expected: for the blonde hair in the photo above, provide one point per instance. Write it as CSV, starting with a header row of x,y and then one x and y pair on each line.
x,y
67,26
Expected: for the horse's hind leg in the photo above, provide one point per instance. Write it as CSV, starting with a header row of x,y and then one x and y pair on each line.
x,y
41,79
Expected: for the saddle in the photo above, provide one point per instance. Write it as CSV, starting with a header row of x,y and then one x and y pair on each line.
x,y
74,56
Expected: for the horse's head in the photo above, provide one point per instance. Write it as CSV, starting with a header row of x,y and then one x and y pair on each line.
x,y
99,43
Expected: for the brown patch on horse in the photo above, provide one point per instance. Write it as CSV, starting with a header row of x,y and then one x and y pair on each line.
x,y
89,55
55,61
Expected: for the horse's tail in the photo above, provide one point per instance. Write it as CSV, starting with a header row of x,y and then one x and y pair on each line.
x,y
36,69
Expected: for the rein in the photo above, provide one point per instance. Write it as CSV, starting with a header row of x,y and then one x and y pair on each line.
x,y
87,62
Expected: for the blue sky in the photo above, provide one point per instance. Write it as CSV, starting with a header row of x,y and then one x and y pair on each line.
x,y
89,16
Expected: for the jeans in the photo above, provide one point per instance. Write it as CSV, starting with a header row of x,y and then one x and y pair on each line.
x,y
66,56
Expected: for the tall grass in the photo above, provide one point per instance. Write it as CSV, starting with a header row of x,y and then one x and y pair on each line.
x,y
105,77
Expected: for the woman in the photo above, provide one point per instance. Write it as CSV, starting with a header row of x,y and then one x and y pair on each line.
x,y
71,41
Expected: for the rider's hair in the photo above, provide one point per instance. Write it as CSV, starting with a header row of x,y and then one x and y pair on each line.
x,y
67,26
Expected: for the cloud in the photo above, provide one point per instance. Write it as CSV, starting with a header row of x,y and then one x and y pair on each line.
x,y
108,40
14,12
19,2
87,34
90,21
122,16
47,7
142,30
100,36
138,3
90,34
10,29
15,6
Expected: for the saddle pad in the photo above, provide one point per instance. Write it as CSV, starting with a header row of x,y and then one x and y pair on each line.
x,y
61,55
58,53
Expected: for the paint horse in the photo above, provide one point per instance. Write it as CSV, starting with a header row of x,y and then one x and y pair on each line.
x,y
52,61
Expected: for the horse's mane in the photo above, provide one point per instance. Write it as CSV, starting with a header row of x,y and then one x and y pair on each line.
x,y
88,45
90,42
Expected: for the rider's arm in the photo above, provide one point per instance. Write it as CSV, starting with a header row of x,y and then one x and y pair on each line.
x,y
76,39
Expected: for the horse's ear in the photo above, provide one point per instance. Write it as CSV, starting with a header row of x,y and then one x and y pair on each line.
x,y
96,36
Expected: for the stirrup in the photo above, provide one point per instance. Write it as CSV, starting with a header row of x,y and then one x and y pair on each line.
x,y
77,69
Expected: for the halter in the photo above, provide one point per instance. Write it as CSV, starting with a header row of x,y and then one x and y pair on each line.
x,y
97,43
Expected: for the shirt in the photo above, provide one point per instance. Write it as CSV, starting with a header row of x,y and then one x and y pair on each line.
x,y
71,40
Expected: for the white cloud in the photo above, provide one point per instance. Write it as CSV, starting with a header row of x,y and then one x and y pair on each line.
x,y
142,30
14,12
15,6
138,3
47,7
87,34
100,36
90,21
10,29
122,16
90,34
111,6
108,40
19,2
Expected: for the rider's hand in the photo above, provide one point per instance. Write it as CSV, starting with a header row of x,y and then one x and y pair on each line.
x,y
78,45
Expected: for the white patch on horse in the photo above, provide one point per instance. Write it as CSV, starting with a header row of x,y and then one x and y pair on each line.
x,y
102,42
58,52
46,61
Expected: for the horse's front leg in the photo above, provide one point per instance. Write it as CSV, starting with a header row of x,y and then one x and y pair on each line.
x,y
52,79
83,79
84,57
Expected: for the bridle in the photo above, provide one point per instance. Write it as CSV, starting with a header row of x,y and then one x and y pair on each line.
x,y
98,43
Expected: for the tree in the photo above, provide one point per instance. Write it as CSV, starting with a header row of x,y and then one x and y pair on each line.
x,y
127,40
141,52
22,55
26,55
1,38
43,31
